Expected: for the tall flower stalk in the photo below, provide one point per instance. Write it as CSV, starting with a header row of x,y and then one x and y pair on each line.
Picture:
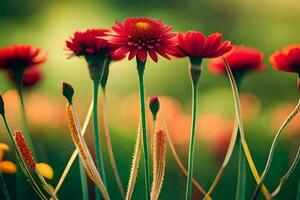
x,y
196,46
140,69
141,37
195,72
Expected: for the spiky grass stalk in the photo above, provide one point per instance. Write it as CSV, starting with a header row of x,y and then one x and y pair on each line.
x,y
178,160
20,159
287,175
135,164
4,187
110,148
75,152
29,158
159,163
84,153
226,160
195,72
272,150
237,107
141,69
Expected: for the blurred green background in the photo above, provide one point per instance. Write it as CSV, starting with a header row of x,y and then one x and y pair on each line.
x,y
265,24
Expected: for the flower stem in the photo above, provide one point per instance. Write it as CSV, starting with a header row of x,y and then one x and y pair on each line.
x,y
97,136
84,186
141,68
195,76
241,181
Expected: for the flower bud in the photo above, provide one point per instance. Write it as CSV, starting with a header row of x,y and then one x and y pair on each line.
x,y
2,110
154,105
68,92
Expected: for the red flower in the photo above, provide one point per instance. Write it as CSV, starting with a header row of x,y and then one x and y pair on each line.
x,y
18,58
31,76
89,42
240,59
142,36
288,59
196,45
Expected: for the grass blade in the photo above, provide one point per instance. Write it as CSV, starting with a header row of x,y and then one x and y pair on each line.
x,y
237,106
135,164
273,146
287,175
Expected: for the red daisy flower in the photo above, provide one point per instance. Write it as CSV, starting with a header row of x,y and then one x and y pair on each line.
x,y
142,36
89,42
240,59
196,45
18,58
288,59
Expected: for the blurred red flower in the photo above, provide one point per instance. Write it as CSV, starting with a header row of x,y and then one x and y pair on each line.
x,y
196,45
18,58
142,36
241,59
288,59
31,76
89,42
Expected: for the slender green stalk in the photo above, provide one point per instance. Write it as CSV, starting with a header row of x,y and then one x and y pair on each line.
x,y
272,150
83,179
288,173
241,181
98,149
4,187
21,187
141,68
109,146
195,76
298,193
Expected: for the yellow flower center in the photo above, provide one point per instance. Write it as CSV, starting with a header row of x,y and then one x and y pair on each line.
x,y
142,25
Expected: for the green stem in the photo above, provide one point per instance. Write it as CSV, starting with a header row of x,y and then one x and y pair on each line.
x,y
141,68
84,186
195,76
98,149
241,180
298,193
19,87
4,187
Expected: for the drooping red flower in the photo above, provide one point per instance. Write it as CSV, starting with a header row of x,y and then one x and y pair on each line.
x,y
195,45
241,59
18,58
142,36
288,59
89,42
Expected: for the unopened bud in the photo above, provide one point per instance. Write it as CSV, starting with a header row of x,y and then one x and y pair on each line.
x,y
154,105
